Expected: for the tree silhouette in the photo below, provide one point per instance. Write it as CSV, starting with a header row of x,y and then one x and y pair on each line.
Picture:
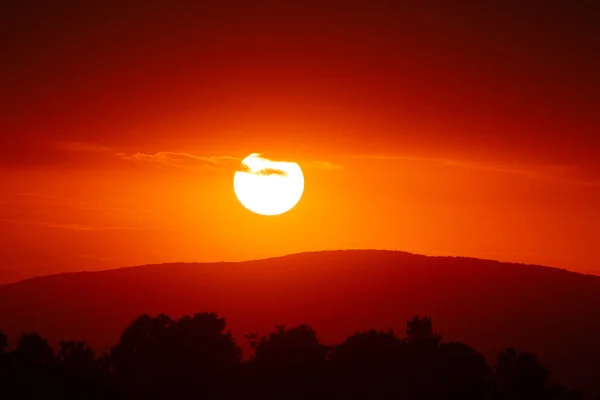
x,y
3,342
520,376
32,349
370,365
461,372
79,370
574,394
160,356
423,344
33,361
3,362
420,335
196,357
77,356
287,362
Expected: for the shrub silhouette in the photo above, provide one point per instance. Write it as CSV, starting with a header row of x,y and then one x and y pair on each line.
x,y
196,357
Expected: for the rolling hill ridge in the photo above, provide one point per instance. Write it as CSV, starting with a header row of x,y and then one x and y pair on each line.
x,y
486,304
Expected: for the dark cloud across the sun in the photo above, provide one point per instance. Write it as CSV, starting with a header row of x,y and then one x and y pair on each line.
x,y
263,171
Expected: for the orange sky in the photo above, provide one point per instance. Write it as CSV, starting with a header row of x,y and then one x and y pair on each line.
x,y
467,131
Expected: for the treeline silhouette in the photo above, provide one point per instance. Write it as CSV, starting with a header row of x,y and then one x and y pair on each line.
x,y
196,357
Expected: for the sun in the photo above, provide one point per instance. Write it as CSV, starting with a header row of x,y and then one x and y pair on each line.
x,y
268,187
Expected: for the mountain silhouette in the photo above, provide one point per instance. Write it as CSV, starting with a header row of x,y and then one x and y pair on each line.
x,y
550,312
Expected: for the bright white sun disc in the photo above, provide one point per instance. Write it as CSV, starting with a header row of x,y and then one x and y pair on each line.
x,y
268,187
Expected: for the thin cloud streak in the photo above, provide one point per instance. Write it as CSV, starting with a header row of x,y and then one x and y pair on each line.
x,y
84,147
557,173
58,201
188,161
322,165
181,160
93,257
73,227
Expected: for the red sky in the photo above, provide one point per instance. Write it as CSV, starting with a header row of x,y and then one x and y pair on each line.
x,y
441,129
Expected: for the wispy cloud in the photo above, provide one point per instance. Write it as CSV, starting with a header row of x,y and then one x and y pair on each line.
x,y
87,147
188,161
71,226
93,257
323,165
59,201
181,160
558,173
